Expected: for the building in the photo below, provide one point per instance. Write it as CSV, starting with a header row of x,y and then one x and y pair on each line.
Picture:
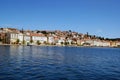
x,y
20,38
51,40
2,37
118,43
11,37
26,38
35,37
106,44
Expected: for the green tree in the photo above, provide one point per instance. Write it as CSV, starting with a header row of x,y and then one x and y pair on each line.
x,y
3,40
0,39
38,42
62,43
45,42
17,41
23,42
66,43
31,41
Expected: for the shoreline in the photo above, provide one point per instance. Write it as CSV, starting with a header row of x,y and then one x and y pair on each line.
x,y
59,46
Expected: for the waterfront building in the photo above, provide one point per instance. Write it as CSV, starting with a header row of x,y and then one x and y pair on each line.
x,y
106,44
15,36
11,37
26,38
35,37
97,43
118,44
2,37
51,40
20,38
113,44
61,42
91,42
69,41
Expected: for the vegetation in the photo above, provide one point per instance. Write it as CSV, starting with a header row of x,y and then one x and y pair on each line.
x,y
115,39
62,43
4,40
44,32
38,42
0,39
17,41
45,42
23,42
31,41
66,43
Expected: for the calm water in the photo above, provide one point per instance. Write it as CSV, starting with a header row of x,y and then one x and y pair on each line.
x,y
59,63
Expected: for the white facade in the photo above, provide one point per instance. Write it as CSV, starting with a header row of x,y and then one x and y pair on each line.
x,y
51,40
117,43
69,41
82,42
23,37
106,44
42,39
101,43
97,43
20,37
60,41
91,42
12,38
27,38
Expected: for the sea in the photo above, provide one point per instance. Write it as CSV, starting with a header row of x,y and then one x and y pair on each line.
x,y
59,63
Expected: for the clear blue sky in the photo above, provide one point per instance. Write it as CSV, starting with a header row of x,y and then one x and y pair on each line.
x,y
99,17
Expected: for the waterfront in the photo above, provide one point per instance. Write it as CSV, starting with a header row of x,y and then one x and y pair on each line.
x,y
59,63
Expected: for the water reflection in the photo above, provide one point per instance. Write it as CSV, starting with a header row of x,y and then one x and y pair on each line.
x,y
36,53
39,62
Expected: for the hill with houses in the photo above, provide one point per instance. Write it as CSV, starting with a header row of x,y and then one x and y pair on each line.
x,y
60,38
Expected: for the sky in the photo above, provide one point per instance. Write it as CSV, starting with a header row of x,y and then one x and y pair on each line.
x,y
97,17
